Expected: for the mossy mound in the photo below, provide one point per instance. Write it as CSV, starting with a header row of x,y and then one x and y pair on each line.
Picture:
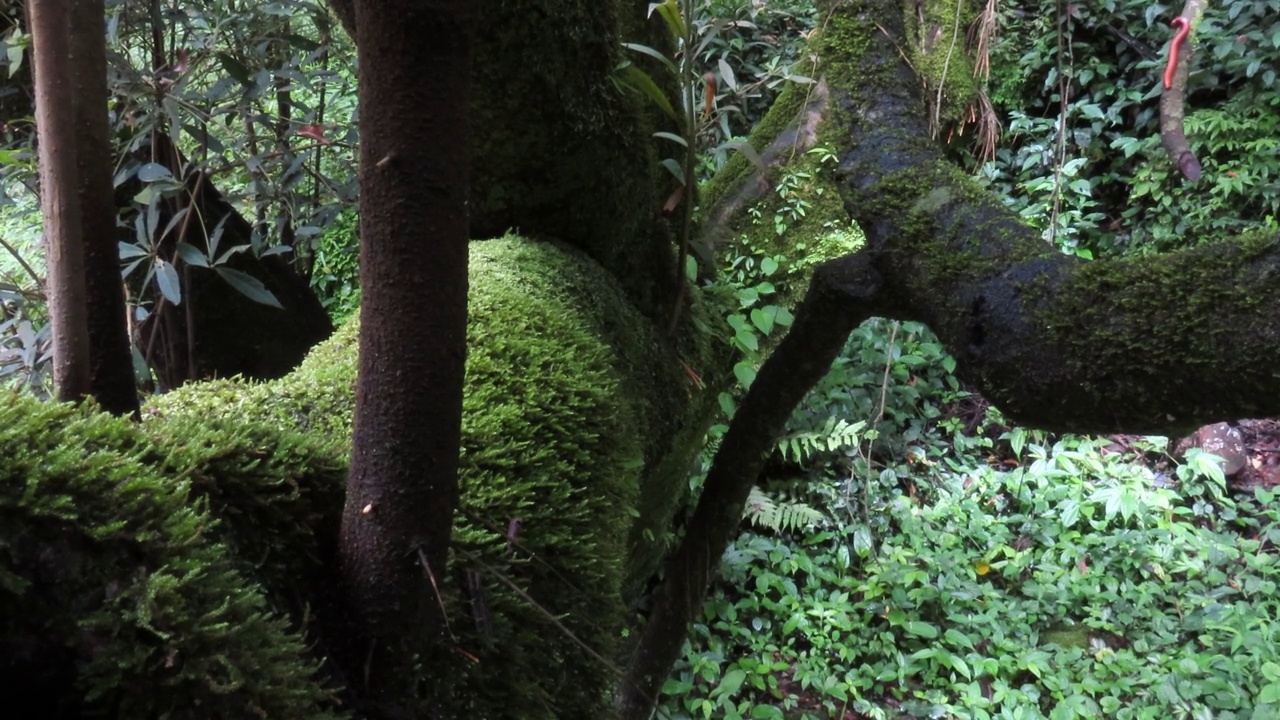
x,y
117,598
580,421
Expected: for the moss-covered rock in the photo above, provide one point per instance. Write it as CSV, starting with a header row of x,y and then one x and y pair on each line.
x,y
580,422
116,597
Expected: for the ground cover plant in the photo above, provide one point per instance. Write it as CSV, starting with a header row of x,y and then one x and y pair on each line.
x,y
957,567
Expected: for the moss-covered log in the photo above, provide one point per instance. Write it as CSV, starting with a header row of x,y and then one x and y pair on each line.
x,y
580,421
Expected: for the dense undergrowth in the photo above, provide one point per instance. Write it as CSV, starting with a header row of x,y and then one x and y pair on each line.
x,y
958,567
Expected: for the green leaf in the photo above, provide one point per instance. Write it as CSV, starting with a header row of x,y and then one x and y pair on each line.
x,y
670,12
921,629
192,256
726,72
762,319
768,266
638,79
646,50
673,138
129,250
675,168
767,712
152,172
14,54
730,683
249,286
167,280
235,69
745,373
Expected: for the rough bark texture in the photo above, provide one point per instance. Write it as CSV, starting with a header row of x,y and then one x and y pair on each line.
x,y
59,196
111,379
414,61
1152,344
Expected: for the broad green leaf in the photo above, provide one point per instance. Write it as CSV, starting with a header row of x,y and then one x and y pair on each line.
x,y
235,69
640,80
726,72
921,629
192,256
14,54
762,319
152,172
670,12
745,373
249,286
730,683
167,280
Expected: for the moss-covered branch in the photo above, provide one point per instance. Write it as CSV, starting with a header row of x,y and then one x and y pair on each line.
x,y
1136,344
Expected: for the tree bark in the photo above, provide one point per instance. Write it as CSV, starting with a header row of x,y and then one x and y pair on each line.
x,y
414,59
59,196
111,378
822,324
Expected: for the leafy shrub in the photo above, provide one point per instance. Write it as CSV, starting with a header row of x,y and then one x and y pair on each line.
x,y
1082,158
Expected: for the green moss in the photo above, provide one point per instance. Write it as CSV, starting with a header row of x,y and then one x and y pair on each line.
x,y
560,149
111,582
939,56
580,421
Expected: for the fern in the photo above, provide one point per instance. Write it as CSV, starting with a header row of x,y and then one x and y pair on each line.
x,y
779,515
835,434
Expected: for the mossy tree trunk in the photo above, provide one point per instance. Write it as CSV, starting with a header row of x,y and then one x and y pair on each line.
x,y
1152,344
414,60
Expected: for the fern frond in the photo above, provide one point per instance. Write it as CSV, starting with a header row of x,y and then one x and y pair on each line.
x,y
835,434
779,515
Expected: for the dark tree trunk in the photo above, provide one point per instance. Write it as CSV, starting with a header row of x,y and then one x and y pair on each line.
x,y
59,196
111,379
414,59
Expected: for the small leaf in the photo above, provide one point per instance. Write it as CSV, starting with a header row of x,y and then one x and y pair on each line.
x,y
167,280
745,373
921,629
726,73
640,80
673,138
235,69
152,172
763,320
675,169
249,286
129,250
191,255
13,54
670,12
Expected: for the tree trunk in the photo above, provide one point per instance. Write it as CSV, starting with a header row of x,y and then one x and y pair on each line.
x,y
59,196
110,363
414,59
